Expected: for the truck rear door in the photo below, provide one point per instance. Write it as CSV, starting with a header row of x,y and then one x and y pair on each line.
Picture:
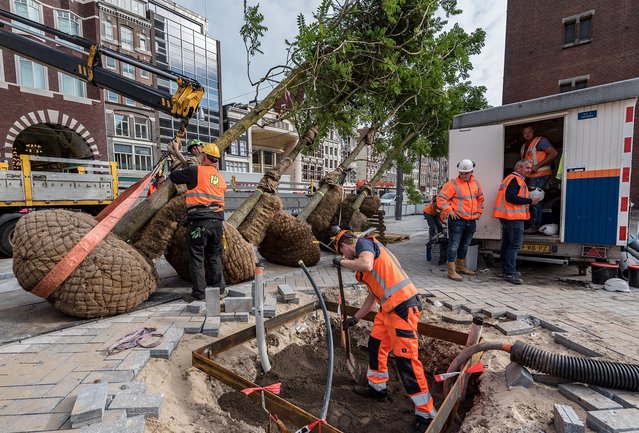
x,y
485,146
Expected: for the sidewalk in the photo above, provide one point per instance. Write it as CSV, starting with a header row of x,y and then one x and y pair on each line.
x,y
40,377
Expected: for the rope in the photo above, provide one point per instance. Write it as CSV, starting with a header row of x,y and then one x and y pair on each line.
x,y
136,339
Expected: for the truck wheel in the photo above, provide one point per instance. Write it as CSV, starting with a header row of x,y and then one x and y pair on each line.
x,y
6,237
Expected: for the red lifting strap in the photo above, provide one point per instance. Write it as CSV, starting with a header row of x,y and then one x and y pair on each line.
x,y
82,249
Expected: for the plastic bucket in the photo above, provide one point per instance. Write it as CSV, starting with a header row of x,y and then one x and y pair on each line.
x,y
471,256
602,272
633,276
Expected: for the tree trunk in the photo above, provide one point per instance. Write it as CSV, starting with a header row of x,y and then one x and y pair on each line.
x,y
319,195
271,177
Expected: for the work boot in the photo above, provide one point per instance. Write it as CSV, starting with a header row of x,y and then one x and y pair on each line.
x,y
188,298
531,230
369,392
513,279
452,274
461,267
223,292
420,424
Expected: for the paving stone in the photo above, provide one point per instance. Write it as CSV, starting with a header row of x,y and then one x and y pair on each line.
x,y
586,397
566,341
171,339
566,420
473,308
238,305
130,425
516,375
28,406
212,326
514,327
30,423
288,301
494,312
25,391
136,360
517,314
194,326
453,305
613,420
550,326
109,376
89,405
195,306
138,404
212,302
126,388
239,292
286,292
458,318
625,398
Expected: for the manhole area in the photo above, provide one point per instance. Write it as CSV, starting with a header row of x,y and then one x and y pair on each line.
x,y
301,368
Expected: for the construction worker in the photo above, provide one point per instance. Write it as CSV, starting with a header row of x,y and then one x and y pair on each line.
x,y
395,325
512,209
159,180
462,198
542,154
205,215
195,147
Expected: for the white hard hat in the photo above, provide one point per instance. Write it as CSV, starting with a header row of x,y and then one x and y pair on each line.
x,y
465,165
537,193
616,285
549,229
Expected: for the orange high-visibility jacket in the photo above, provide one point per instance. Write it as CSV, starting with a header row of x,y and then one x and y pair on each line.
x,y
387,281
536,156
466,199
209,191
152,188
507,210
431,208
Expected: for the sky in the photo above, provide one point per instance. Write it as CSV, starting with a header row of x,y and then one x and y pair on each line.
x,y
225,21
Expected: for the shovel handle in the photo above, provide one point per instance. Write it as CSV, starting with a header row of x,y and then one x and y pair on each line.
x,y
346,344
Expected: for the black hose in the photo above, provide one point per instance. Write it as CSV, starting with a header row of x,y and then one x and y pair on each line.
x,y
329,336
608,374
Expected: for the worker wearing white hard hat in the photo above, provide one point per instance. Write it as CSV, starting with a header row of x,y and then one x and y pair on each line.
x,y
462,198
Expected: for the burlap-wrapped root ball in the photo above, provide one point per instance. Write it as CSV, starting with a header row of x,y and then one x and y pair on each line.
x,y
289,240
158,233
322,216
254,226
238,259
113,279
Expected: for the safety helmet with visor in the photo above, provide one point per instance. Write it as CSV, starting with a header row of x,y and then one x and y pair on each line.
x,y
465,166
338,235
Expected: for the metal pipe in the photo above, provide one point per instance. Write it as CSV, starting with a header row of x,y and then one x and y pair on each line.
x,y
329,337
260,334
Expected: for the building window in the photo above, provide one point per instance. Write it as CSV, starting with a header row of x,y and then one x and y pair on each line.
x,y
234,149
130,102
142,128
28,9
108,30
142,44
576,83
143,158
31,74
256,157
128,70
577,29
243,148
110,62
126,38
130,157
236,167
123,156
68,23
581,84
144,73
268,158
111,96
121,125
72,86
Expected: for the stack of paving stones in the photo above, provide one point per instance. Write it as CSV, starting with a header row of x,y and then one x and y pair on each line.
x,y
608,410
286,294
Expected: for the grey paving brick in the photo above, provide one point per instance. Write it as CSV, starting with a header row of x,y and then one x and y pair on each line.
x,y
126,388
195,306
28,406
212,301
239,292
286,292
288,301
613,420
172,337
238,305
148,405
89,405
566,420
68,384
130,425
453,305
550,325
514,327
458,318
109,376
586,397
25,391
566,341
136,360
515,314
194,326
212,326
29,423
473,308
494,312
627,399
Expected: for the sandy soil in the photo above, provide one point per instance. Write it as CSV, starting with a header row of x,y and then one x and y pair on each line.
x,y
194,403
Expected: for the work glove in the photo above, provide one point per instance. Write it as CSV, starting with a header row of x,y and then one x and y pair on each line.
x,y
351,321
337,260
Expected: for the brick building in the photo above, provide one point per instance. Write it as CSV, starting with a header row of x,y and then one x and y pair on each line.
x,y
554,47
55,115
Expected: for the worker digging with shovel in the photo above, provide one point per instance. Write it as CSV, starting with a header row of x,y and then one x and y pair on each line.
x,y
395,325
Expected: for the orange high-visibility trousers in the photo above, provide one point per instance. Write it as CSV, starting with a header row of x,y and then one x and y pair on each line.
x,y
397,331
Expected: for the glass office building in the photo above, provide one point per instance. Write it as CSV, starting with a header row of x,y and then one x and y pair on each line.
x,y
181,45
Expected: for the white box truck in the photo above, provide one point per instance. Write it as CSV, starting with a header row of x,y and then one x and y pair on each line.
x,y
589,199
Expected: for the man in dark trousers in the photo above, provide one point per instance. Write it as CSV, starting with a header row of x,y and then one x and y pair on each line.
x,y
205,215
512,207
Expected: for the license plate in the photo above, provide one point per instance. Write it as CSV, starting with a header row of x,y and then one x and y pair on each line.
x,y
535,248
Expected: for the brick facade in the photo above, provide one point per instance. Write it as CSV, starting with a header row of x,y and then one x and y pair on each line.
x,y
537,59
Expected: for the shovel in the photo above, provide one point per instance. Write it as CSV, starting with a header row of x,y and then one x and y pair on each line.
x,y
352,366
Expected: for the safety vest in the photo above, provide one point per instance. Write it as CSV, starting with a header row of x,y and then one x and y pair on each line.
x,y
505,209
152,188
209,191
387,281
430,208
466,199
532,154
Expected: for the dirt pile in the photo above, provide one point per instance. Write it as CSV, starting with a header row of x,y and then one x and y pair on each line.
x,y
113,279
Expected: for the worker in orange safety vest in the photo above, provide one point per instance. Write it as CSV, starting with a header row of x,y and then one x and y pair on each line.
x,y
395,325
159,180
463,198
540,152
205,217
512,209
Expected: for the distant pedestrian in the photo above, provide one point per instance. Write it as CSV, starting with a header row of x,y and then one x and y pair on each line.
x,y
512,207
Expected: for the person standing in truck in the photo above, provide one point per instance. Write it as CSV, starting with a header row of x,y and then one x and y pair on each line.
x,y
540,152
